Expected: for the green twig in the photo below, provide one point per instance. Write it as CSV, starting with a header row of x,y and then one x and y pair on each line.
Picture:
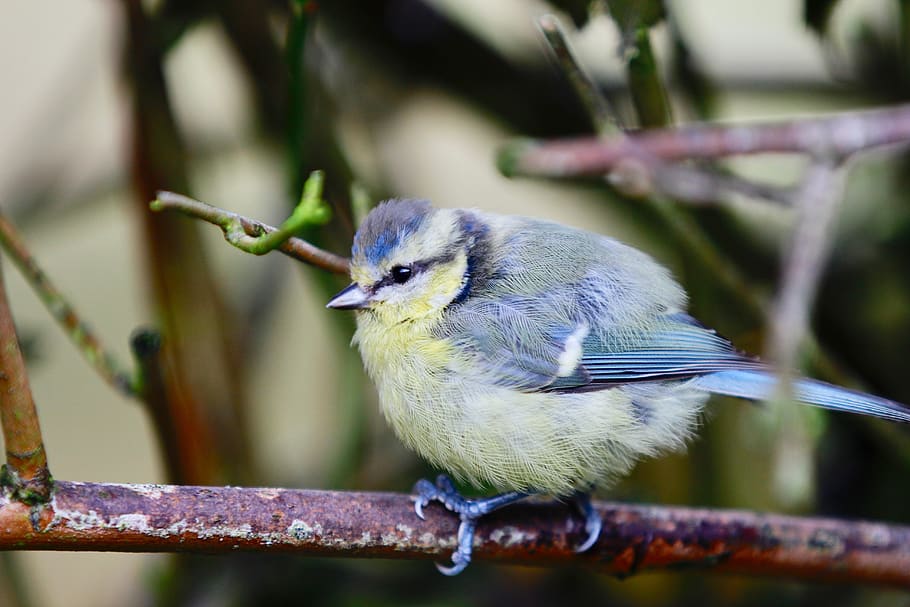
x,y
258,238
298,28
310,211
85,340
645,84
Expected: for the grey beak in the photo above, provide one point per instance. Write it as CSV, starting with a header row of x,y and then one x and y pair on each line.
x,y
352,297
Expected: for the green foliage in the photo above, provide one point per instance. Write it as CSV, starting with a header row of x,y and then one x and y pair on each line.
x,y
632,16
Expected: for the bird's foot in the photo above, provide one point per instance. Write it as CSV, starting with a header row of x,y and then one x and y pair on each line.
x,y
468,510
593,523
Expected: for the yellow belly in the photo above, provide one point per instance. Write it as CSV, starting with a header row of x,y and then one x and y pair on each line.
x,y
490,435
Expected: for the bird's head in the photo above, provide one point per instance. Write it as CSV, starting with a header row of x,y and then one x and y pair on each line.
x,y
409,261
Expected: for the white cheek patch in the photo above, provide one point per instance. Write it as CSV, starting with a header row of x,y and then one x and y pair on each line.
x,y
571,353
401,294
387,294
440,300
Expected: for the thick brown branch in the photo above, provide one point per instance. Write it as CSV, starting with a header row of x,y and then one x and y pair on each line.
x,y
833,136
26,473
160,518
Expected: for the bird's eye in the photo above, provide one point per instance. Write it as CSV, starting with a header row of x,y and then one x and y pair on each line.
x,y
401,274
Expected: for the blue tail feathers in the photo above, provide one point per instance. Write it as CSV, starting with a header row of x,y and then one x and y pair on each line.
x,y
759,385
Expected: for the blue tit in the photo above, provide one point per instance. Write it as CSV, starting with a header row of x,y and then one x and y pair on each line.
x,y
537,358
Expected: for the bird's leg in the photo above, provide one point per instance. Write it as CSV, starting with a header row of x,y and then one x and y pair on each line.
x,y
469,510
593,524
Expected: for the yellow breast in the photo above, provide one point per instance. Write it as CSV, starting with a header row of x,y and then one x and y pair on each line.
x,y
511,440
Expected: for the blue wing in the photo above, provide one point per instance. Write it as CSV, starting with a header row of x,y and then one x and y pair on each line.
x,y
682,349
713,365
566,311
523,354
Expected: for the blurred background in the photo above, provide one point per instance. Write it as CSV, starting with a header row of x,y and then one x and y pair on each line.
x,y
235,102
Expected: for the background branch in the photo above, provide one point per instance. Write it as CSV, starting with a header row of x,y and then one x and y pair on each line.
x,y
603,118
820,196
833,136
161,518
25,475
88,344
203,369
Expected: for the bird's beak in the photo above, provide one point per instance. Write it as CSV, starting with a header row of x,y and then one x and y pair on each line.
x,y
352,297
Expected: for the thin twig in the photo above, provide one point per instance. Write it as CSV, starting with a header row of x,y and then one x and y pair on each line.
x,y
240,231
839,135
161,518
85,340
644,174
649,95
680,181
152,387
818,200
595,103
25,474
693,183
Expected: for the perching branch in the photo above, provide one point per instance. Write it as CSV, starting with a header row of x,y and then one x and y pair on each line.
x,y
25,476
258,238
88,344
162,518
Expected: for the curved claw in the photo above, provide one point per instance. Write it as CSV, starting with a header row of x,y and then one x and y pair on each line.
x,y
455,569
593,526
469,511
426,492
593,523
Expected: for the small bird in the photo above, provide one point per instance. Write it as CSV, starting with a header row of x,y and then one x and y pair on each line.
x,y
537,358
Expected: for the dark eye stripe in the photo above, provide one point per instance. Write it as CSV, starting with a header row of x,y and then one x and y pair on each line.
x,y
389,279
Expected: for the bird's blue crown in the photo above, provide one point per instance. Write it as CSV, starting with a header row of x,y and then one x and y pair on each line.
x,y
387,226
